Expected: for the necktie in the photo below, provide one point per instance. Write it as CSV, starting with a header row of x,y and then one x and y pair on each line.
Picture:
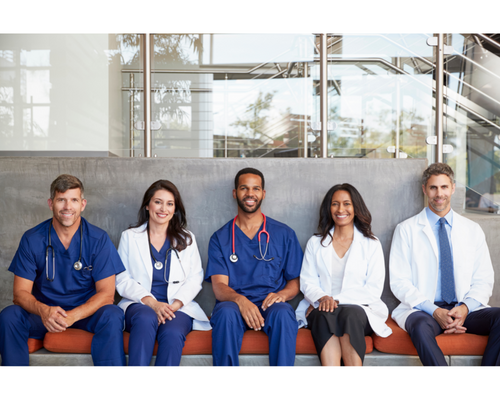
x,y
446,265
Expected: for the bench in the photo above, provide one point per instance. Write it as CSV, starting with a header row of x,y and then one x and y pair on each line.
x,y
295,188
395,350
198,345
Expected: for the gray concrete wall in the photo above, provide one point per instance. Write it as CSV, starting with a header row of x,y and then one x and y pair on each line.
x,y
114,188
295,187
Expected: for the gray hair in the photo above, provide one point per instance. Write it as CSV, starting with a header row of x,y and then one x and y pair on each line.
x,y
64,183
438,169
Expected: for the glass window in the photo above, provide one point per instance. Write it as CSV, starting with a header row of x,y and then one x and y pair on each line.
x,y
231,95
63,93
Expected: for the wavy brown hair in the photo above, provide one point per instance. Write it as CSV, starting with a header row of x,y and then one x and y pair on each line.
x,y
362,217
177,233
65,182
437,169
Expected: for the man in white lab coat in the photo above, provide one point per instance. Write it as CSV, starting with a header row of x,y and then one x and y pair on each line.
x,y
440,270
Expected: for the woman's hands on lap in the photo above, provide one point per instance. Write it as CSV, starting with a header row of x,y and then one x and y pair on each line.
x,y
326,303
164,311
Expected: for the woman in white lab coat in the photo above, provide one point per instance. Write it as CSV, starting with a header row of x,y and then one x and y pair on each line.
x,y
163,276
342,279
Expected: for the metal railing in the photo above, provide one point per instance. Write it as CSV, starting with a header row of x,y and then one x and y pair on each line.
x,y
326,41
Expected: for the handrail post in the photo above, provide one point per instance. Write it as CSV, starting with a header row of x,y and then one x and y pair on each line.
x,y
439,96
146,76
323,94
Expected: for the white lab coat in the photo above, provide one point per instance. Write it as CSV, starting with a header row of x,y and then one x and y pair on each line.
x,y
136,282
414,264
362,284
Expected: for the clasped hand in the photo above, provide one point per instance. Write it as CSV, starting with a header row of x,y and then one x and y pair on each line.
x,y
164,311
55,319
452,321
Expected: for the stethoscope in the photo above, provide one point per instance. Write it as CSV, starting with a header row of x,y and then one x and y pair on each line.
x,y
77,265
234,258
159,265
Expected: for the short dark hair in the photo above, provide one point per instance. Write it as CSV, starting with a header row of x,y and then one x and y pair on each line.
x,y
176,232
362,216
438,169
64,183
249,170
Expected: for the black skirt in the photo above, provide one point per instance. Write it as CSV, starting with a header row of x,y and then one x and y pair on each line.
x,y
347,318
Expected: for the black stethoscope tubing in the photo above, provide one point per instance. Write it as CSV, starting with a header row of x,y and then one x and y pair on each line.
x,y
77,265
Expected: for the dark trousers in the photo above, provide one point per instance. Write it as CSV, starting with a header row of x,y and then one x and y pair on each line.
x,y
423,329
17,325
228,327
142,323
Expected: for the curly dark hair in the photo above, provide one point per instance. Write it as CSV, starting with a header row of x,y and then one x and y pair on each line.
x,y
362,217
177,233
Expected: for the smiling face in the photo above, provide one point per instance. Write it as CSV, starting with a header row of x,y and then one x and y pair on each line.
x,y
342,209
67,207
438,190
161,208
249,193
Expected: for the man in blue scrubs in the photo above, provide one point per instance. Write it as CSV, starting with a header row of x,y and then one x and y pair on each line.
x,y
64,278
440,270
253,277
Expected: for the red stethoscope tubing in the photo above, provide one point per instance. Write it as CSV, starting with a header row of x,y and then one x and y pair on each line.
x,y
233,255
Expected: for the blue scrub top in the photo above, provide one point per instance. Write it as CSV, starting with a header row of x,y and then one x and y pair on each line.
x,y
70,288
159,288
249,277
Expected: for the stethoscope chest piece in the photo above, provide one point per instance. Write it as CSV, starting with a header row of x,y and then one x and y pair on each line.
x,y
77,265
233,257
158,265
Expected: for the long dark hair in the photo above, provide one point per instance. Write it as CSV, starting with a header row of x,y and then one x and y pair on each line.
x,y
177,233
362,217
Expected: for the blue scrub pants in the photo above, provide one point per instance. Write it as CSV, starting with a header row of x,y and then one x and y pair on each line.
x,y
17,325
423,329
280,325
142,323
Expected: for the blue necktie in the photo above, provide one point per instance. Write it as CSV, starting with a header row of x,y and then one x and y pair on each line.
x,y
446,264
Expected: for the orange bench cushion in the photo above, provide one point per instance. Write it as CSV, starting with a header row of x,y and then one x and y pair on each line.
x,y
450,344
197,342
70,341
34,345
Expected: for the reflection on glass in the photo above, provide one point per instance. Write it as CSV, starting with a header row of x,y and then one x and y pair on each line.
x,y
63,93
231,95
472,119
380,95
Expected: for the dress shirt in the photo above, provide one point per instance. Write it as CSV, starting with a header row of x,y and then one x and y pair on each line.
x,y
427,305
